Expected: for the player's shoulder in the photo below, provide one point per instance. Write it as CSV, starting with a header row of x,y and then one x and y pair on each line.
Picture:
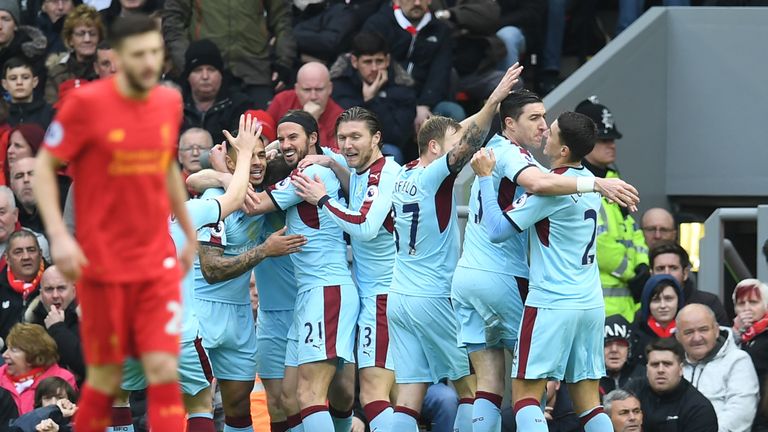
x,y
390,166
314,169
212,193
166,95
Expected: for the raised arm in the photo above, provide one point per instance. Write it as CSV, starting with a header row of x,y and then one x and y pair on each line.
x,y
245,144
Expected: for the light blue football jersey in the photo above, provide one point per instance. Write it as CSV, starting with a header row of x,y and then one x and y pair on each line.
x,y
323,260
510,256
564,273
202,212
237,233
426,230
275,275
368,221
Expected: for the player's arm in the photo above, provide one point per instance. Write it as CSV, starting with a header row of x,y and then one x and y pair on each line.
x,y
476,127
248,135
65,252
332,160
218,268
496,225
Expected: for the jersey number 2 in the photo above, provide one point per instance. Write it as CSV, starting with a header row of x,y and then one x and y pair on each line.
x,y
412,208
588,258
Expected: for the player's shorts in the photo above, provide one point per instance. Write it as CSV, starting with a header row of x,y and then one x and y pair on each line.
x,y
130,319
489,306
423,336
373,333
325,321
229,336
272,338
194,370
292,349
561,344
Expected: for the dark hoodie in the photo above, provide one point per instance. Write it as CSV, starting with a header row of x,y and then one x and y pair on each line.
x,y
641,329
66,335
38,112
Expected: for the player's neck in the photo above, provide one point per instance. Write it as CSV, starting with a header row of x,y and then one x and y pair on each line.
x,y
127,90
562,163
512,138
374,157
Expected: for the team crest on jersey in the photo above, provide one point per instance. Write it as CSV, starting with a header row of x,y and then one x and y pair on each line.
x,y
284,183
54,135
371,193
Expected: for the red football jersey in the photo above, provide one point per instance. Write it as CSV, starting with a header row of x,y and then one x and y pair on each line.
x,y
120,150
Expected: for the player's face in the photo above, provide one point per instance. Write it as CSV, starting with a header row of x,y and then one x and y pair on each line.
x,y
7,28
626,415
368,66
258,164
357,145
553,149
663,305
24,258
697,332
414,10
205,82
294,143
8,218
669,263
664,371
16,361
57,9
20,83
84,40
56,290
18,148
750,303
616,353
604,152
530,127
105,64
22,173
140,58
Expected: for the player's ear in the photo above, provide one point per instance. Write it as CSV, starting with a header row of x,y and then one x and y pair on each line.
x,y
377,139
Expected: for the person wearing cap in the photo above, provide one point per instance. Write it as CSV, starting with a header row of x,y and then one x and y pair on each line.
x,y
622,254
620,367
17,40
211,102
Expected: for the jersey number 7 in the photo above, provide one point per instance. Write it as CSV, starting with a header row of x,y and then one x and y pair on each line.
x,y
412,208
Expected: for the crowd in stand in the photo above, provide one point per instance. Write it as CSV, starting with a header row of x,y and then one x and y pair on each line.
x,y
675,360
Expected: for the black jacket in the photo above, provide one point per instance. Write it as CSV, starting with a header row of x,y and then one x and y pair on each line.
x,y
429,59
395,105
12,305
52,32
224,114
30,43
682,410
29,421
38,111
8,410
66,335
530,16
757,349
628,374
693,295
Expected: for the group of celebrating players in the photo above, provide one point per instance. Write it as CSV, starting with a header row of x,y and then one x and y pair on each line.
x,y
410,311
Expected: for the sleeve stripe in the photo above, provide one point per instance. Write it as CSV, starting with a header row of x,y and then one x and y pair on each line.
x,y
514,179
277,205
212,244
356,219
514,225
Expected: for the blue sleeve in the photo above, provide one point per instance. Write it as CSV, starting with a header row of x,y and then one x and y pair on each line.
x,y
529,209
336,156
283,193
435,173
498,228
203,212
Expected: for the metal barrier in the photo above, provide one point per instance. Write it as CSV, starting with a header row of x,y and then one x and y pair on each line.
x,y
712,250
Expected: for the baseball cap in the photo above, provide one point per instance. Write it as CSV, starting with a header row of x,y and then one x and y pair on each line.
x,y
267,123
601,115
617,328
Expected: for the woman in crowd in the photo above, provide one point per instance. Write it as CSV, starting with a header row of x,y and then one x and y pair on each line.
x,y
55,404
750,302
661,300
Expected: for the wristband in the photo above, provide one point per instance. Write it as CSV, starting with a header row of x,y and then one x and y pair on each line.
x,y
585,184
322,201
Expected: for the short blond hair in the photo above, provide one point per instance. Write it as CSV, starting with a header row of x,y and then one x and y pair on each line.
x,y
82,15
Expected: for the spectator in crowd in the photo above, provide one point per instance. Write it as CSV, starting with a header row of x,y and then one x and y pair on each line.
x,y
9,224
662,299
20,80
30,357
210,100
104,64
23,141
624,410
50,21
750,302
56,310
366,77
313,95
20,279
658,226
671,258
522,28
192,143
423,46
243,30
118,8
17,40
669,401
22,173
82,32
620,366
622,255
441,403
54,405
718,368
8,410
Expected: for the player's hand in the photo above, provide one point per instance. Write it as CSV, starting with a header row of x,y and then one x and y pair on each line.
x,y
279,244
510,78
47,425
187,255
618,191
248,135
218,157
55,315
422,114
314,109
310,190
371,90
67,256
357,425
483,162
67,408
308,160
252,201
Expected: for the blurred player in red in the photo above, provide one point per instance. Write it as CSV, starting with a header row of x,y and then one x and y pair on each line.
x,y
119,136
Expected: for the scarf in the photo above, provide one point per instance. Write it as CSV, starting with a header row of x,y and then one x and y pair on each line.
x,y
660,330
25,288
406,25
757,327
24,381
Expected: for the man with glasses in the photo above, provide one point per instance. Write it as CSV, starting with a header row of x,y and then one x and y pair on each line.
x,y
192,144
658,226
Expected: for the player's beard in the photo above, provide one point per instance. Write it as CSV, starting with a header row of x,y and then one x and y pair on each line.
x,y
136,83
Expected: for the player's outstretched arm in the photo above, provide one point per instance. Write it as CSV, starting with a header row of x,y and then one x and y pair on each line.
x,y
247,137
218,268
65,251
540,183
177,194
493,220
477,126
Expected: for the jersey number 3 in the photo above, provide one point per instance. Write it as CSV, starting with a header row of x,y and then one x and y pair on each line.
x,y
588,258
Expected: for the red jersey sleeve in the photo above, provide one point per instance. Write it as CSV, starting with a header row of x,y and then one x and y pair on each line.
x,y
67,134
